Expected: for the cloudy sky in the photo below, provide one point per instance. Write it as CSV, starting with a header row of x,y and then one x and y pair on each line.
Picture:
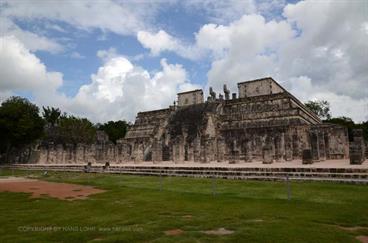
x,y
107,60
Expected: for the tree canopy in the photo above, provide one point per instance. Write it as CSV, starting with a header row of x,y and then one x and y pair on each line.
x,y
114,129
51,115
71,129
322,110
20,123
320,107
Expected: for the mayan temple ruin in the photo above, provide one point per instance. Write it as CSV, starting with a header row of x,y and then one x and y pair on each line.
x,y
262,121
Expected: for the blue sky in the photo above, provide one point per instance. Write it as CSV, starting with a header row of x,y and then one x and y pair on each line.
x,y
109,59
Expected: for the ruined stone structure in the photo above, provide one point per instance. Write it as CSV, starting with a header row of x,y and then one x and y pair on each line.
x,y
262,122
357,147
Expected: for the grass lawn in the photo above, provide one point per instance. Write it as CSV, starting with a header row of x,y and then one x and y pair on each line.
x,y
135,208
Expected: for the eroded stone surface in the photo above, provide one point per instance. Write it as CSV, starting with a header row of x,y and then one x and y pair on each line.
x,y
263,123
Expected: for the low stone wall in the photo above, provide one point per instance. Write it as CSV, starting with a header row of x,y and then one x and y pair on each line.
x,y
341,175
81,153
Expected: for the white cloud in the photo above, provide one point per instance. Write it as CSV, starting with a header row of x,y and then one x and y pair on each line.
x,y
324,42
213,37
341,105
32,41
106,55
221,11
54,27
115,16
318,50
120,17
76,55
118,90
329,48
224,12
20,70
250,44
161,41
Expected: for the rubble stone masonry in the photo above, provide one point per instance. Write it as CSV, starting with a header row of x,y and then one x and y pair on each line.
x,y
263,123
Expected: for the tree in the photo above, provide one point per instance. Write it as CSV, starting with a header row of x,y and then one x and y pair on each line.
x,y
75,130
115,129
320,107
51,115
20,124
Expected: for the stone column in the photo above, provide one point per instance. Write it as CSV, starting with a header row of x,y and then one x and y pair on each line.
x,y
139,152
248,151
234,153
307,157
156,151
220,149
59,158
196,150
357,147
295,146
279,147
321,145
267,154
178,151
203,155
288,148
314,140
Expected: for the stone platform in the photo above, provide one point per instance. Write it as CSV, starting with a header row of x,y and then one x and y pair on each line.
x,y
331,171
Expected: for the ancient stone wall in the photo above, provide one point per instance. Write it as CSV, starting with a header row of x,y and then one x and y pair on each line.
x,y
190,97
265,86
267,125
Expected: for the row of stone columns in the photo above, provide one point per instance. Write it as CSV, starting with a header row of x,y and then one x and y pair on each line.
x,y
318,149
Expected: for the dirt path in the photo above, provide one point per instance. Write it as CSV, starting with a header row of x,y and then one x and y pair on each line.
x,y
39,188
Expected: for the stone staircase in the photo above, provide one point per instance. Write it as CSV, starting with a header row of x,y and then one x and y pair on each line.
x,y
343,175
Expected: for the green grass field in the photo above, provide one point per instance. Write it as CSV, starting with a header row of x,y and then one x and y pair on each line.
x,y
142,208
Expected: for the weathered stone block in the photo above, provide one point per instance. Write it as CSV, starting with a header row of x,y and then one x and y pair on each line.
x,y
356,154
307,157
357,147
267,154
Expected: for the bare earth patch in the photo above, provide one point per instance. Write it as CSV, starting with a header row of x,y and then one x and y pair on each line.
x,y
219,231
39,188
355,228
362,238
174,232
187,216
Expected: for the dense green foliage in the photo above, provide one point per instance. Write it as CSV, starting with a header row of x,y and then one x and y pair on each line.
x,y
72,130
20,123
322,110
67,129
320,107
76,130
134,209
114,129
51,115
